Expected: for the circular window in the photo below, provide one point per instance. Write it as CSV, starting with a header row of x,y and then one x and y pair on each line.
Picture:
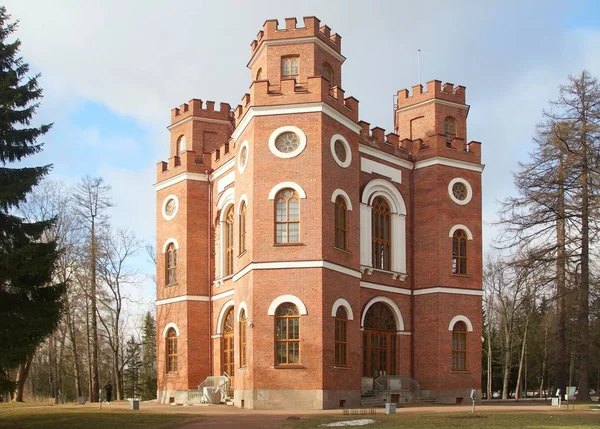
x,y
340,149
460,191
287,142
243,157
170,207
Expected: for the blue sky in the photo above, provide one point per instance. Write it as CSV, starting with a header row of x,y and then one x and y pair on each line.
x,y
112,70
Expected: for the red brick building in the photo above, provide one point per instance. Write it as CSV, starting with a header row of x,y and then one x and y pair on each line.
x,y
305,254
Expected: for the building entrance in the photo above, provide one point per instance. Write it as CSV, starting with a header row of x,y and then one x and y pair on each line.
x,y
379,341
228,346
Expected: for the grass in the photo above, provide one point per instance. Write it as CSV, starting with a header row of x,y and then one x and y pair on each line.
x,y
25,416
464,421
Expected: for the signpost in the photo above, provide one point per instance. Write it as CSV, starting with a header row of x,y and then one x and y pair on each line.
x,y
473,396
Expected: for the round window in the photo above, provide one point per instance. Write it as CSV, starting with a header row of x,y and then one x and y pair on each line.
x,y
287,142
244,156
459,190
340,150
170,206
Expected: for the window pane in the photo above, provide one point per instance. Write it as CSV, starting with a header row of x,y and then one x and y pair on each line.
x,y
294,233
285,66
280,329
281,353
280,210
281,233
294,208
294,65
294,355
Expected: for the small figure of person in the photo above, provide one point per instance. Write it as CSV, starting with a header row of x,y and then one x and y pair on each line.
x,y
108,389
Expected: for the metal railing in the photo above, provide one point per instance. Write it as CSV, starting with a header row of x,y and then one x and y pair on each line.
x,y
397,383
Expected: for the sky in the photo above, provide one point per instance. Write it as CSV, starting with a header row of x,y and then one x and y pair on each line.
x,y
113,70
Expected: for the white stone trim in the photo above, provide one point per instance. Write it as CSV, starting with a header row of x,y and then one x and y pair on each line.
x,y
463,227
450,290
440,160
376,153
393,306
344,195
384,288
227,180
281,265
318,107
460,318
469,191
377,187
222,295
243,199
241,167
169,326
241,307
181,139
275,189
180,178
339,162
295,41
404,333
287,129
341,302
436,101
369,166
169,241
287,298
164,206
221,319
198,118
182,298
222,169
227,198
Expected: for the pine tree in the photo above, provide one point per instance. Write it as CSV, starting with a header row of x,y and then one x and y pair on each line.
x,y
131,374
29,304
148,376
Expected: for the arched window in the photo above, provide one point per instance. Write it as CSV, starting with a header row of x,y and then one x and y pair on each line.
x,y
341,343
181,144
171,263
243,227
171,348
379,341
289,68
287,334
459,346
243,324
459,252
449,130
381,234
287,216
228,344
229,242
341,223
259,74
328,73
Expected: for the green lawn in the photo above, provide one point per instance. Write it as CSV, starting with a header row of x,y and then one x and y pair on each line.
x,y
464,421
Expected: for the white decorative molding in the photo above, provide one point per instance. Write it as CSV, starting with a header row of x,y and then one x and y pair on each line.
x,y
393,306
182,298
180,178
296,41
169,326
369,166
227,180
450,290
341,302
381,187
436,101
344,195
294,265
242,166
222,169
287,298
169,241
164,207
384,288
222,295
241,307
275,189
243,199
448,162
290,109
404,333
287,129
460,318
464,228
221,319
376,153
227,198
339,162
198,118
469,191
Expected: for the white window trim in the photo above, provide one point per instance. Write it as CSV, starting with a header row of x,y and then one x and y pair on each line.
x,y
241,167
169,326
241,307
164,207
463,227
179,139
392,304
344,195
227,198
339,162
287,298
286,129
469,191
460,318
284,185
229,203
341,302
243,199
222,313
169,241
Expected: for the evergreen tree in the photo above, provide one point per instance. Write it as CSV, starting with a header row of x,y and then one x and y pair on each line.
x,y
132,371
29,305
149,380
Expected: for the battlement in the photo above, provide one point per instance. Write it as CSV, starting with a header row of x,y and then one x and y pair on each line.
x,y
312,27
377,138
194,108
434,89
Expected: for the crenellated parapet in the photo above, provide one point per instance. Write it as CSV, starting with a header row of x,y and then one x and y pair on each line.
x,y
376,137
196,108
434,89
312,28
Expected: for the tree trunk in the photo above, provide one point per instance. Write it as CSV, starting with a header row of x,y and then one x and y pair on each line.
x,y
22,373
560,372
71,329
521,360
506,365
489,367
95,377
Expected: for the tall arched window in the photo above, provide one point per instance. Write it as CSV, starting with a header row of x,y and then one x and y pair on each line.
x,y
459,252
287,334
228,344
259,74
459,347
381,234
171,348
287,217
379,341
171,264
341,223
181,144
328,73
243,324
449,130
341,342
243,227
229,242
289,68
